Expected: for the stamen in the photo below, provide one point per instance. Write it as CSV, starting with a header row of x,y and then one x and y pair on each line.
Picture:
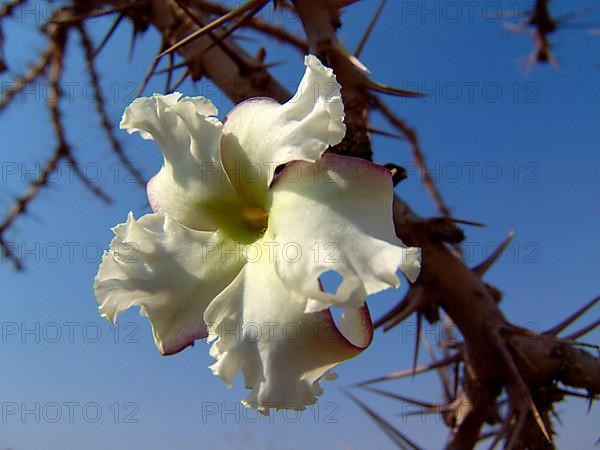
x,y
256,217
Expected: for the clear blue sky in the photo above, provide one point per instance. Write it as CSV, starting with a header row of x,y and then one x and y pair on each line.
x,y
513,149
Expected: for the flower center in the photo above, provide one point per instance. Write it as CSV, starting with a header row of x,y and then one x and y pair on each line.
x,y
246,224
242,223
256,218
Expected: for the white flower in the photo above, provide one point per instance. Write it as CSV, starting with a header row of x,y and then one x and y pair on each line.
x,y
240,236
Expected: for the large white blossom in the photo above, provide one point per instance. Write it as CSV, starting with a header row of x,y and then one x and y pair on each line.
x,y
248,216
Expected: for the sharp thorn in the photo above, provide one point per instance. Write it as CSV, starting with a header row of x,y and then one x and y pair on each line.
x,y
384,89
421,369
370,27
213,25
483,267
572,318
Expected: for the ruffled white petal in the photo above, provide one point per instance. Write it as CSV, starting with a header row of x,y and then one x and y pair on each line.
x,y
260,134
170,271
336,215
192,183
259,327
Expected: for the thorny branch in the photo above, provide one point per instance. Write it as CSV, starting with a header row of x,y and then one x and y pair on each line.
x,y
504,376
32,75
418,154
105,121
48,58
51,60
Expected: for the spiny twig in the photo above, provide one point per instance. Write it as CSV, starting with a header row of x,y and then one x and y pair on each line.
x,y
238,23
269,30
172,67
74,20
386,133
213,25
572,318
100,105
522,394
402,398
32,75
417,341
244,65
418,154
369,30
169,72
484,266
179,80
585,330
55,96
109,33
421,369
391,90
149,74
52,59
399,438
21,204
443,372
48,58
409,304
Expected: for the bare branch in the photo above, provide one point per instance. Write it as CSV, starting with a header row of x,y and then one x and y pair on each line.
x,y
100,104
418,154
275,32
109,34
33,74
214,25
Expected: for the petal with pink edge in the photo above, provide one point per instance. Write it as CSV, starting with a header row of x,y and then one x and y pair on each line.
x,y
336,216
192,185
171,272
259,327
260,134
